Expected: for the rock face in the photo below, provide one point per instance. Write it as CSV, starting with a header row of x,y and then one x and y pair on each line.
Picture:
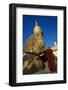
x,y
32,64
35,43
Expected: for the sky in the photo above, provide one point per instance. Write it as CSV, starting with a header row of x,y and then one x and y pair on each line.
x,y
48,25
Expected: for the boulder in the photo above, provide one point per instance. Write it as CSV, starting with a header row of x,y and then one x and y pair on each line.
x,y
35,43
31,64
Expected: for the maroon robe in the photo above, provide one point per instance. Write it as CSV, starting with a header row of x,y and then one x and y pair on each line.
x,y
50,58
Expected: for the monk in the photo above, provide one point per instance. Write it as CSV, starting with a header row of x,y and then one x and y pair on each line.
x,y
51,61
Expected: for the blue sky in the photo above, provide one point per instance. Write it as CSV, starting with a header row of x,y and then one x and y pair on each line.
x,y
48,26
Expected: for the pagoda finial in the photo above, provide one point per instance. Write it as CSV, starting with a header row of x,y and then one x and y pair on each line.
x,y
36,23
37,27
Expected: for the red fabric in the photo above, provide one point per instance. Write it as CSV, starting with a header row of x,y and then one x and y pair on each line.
x,y
50,58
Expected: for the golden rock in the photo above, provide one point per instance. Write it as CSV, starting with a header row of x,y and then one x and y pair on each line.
x,y
35,43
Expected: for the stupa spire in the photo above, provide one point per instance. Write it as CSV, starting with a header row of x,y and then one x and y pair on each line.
x,y
37,28
36,23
